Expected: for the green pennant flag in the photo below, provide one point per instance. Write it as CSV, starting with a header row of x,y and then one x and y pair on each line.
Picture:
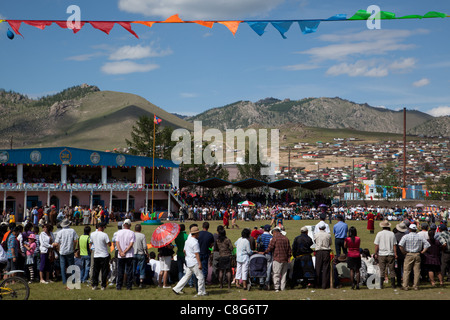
x,y
434,14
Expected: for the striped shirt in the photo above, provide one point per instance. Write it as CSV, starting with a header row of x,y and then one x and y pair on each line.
x,y
413,243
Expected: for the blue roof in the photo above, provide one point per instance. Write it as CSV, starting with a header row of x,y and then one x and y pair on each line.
x,y
78,157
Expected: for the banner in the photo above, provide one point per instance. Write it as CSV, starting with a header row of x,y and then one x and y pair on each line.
x,y
282,26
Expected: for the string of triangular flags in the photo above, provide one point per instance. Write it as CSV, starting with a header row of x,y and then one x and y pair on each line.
x,y
283,26
385,189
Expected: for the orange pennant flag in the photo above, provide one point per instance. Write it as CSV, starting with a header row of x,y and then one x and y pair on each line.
x,y
173,19
403,193
367,189
145,23
208,24
231,25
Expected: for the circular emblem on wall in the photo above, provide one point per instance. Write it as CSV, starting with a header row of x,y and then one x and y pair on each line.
x,y
35,156
65,156
4,156
95,157
120,159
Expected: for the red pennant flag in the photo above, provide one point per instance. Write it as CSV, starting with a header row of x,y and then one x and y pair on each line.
x,y
104,26
427,194
63,24
357,189
41,24
127,26
15,25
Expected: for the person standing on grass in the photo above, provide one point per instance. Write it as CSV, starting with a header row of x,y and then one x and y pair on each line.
x,y
386,252
323,241
412,245
340,231
193,264
281,251
353,243
140,253
206,241
66,241
243,253
100,241
125,240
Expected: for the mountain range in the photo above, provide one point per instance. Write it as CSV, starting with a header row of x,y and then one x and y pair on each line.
x,y
86,117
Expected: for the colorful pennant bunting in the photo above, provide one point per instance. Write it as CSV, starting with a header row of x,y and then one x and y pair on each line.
x,y
282,26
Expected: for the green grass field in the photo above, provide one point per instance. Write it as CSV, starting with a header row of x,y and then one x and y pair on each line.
x,y
56,291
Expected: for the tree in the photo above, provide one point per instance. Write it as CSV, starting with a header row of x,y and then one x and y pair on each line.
x,y
388,177
141,142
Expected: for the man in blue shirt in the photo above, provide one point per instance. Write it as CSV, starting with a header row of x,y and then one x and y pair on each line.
x,y
340,230
205,241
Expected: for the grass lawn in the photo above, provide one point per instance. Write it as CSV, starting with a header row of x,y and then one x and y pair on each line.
x,y
56,291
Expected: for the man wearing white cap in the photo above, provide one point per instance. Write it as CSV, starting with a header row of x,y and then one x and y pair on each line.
x,y
412,245
125,240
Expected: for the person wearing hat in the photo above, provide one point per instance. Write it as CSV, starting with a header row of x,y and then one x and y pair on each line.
x,y
340,270
100,241
386,252
303,268
400,231
30,247
193,264
322,222
125,240
66,241
280,248
322,239
412,245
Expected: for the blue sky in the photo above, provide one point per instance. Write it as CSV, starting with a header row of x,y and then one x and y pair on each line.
x,y
188,68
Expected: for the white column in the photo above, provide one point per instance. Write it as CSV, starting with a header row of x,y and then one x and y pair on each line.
x,y
110,200
140,175
128,200
104,175
175,177
48,196
63,173
168,205
25,200
19,173
146,199
4,200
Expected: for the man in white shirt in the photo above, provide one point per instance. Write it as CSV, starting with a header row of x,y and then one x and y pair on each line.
x,y
100,241
386,251
193,264
66,241
322,222
125,240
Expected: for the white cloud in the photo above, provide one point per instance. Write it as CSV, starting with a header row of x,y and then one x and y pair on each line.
x,y
200,9
138,52
364,43
421,83
406,63
85,57
364,68
124,67
301,66
440,111
188,95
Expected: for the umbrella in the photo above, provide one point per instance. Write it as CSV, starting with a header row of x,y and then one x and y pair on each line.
x,y
165,234
419,205
292,203
246,203
323,205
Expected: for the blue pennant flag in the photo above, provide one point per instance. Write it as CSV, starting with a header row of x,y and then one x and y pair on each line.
x,y
282,27
309,26
258,27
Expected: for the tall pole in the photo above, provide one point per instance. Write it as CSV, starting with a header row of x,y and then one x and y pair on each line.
x,y
153,167
289,163
353,180
404,147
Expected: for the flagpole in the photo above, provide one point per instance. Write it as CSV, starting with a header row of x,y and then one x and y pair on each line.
x,y
153,167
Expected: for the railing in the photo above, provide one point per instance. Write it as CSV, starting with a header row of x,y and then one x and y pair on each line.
x,y
83,187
